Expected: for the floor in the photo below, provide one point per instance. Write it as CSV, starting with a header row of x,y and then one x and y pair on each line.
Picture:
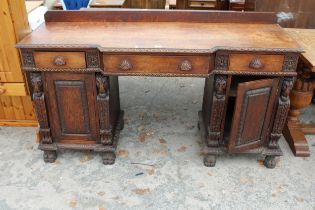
x,y
159,165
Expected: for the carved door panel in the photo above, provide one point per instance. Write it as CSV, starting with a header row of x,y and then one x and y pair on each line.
x,y
252,115
72,102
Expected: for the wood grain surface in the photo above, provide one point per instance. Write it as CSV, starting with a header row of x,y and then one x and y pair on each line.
x,y
306,39
108,35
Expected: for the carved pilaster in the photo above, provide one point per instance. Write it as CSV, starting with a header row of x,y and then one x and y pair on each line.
x,y
40,107
102,83
282,112
92,59
222,61
217,110
290,62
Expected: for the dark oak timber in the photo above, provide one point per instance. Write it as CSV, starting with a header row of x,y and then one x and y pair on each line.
x,y
75,58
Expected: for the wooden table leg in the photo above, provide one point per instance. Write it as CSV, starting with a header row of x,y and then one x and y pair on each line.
x,y
310,128
301,97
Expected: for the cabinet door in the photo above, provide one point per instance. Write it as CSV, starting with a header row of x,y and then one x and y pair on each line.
x,y
71,104
252,115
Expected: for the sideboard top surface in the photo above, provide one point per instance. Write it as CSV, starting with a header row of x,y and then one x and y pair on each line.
x,y
306,38
186,36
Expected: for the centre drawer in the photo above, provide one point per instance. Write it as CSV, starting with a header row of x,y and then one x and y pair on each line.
x,y
156,64
256,62
203,3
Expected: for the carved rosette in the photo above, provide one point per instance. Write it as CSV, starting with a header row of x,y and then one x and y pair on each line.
x,y
40,107
290,62
92,59
282,112
28,58
217,110
102,83
222,61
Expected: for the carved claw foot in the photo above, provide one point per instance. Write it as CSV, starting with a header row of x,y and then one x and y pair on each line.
x,y
270,161
50,156
108,158
209,160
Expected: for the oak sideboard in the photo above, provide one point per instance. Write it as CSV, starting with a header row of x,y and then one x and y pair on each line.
x,y
73,62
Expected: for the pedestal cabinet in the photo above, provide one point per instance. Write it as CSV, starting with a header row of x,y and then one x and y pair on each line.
x,y
75,110
245,113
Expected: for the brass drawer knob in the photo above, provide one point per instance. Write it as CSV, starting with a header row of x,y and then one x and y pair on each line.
x,y
256,63
185,66
59,61
125,65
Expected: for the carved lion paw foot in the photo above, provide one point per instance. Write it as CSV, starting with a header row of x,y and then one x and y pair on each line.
x,y
270,161
108,158
50,156
209,160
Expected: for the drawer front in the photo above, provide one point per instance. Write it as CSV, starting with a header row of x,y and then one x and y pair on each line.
x,y
245,62
156,64
206,4
60,59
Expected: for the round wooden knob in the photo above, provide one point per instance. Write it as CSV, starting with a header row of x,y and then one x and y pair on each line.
x,y
125,65
185,66
59,61
256,63
2,91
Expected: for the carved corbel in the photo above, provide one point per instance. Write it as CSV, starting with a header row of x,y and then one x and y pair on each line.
x,y
217,110
282,112
102,84
40,107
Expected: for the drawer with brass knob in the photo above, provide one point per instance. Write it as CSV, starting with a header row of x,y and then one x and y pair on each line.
x,y
60,59
203,3
137,64
256,62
